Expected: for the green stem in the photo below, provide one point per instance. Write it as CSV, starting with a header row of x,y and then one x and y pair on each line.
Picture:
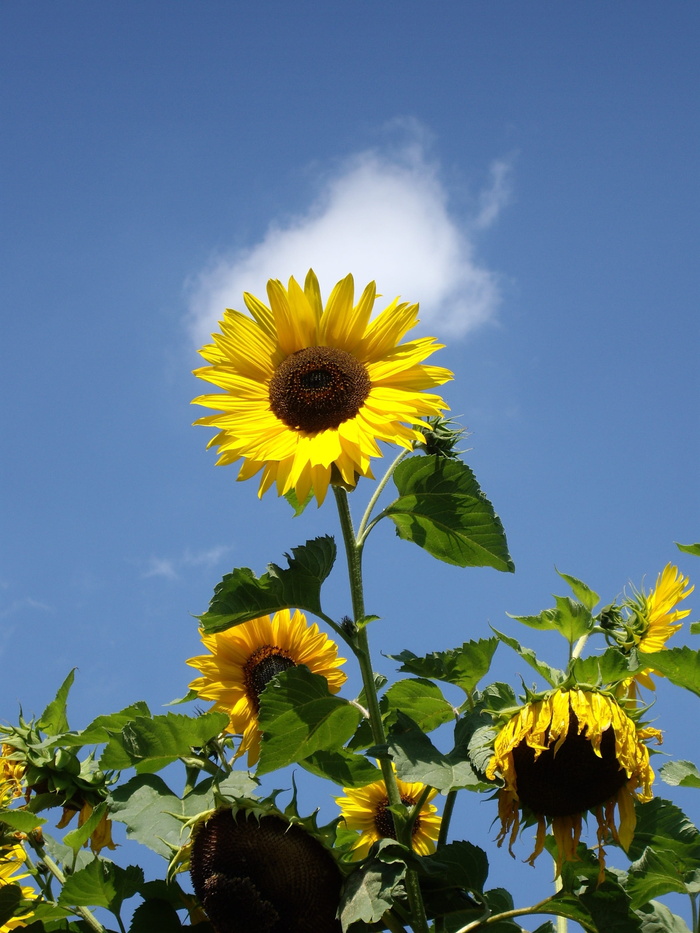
x,y
353,553
694,909
363,530
392,924
446,817
83,912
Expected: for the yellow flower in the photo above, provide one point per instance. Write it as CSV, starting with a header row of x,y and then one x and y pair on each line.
x,y
246,657
571,752
100,837
654,618
365,808
11,860
11,775
308,390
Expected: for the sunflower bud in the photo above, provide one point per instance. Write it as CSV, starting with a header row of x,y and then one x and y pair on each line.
x,y
262,874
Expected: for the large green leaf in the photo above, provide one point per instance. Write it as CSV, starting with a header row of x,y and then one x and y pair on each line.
x,y
680,774
570,618
10,896
53,720
654,874
417,759
610,667
300,716
463,666
21,820
442,509
242,596
657,918
423,701
103,727
680,665
149,744
155,915
369,892
342,767
100,884
154,815
663,826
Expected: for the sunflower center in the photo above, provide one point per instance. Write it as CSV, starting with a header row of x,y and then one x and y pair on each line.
x,y
573,780
318,388
384,820
263,664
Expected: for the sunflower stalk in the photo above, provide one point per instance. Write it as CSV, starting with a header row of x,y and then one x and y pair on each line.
x,y
82,912
353,552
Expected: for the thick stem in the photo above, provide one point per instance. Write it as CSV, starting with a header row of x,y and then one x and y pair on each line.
x,y
446,817
353,552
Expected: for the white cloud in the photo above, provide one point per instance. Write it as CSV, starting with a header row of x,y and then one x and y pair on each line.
x,y
169,567
384,216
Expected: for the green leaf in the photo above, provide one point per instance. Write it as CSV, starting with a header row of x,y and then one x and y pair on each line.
x,y
77,838
689,548
678,774
149,744
298,507
606,908
463,666
370,891
654,874
21,820
442,509
242,596
100,884
155,914
581,591
663,825
10,897
459,864
154,815
680,665
417,759
103,727
300,716
568,617
552,675
657,918
342,767
53,720
423,701
611,667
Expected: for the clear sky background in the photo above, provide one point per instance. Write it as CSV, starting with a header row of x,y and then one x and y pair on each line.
x,y
528,172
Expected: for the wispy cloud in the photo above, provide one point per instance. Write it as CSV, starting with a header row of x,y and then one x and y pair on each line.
x,y
23,604
170,567
384,215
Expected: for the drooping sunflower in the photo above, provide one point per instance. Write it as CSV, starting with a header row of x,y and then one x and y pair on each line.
x,y
571,752
11,860
309,390
244,659
654,619
365,808
257,872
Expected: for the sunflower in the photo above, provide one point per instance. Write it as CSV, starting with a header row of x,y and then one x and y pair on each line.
x,y
11,775
308,390
11,860
570,752
654,619
244,659
259,872
366,809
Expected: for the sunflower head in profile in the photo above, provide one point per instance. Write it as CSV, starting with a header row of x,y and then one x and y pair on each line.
x,y
12,772
260,873
310,389
568,753
366,809
11,860
243,660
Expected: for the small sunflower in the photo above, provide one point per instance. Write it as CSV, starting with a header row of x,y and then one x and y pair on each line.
x,y
571,752
309,390
11,775
243,659
365,808
11,860
654,619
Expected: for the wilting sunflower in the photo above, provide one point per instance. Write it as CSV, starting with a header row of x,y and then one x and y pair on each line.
x,y
11,861
257,872
571,752
101,836
245,658
309,390
365,808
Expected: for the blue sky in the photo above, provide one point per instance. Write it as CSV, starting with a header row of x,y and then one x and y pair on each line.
x,y
527,172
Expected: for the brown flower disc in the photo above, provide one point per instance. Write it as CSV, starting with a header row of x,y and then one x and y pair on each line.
x,y
264,876
572,780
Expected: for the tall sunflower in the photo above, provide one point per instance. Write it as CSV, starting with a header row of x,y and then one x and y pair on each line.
x,y
244,659
11,860
366,809
309,390
571,752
